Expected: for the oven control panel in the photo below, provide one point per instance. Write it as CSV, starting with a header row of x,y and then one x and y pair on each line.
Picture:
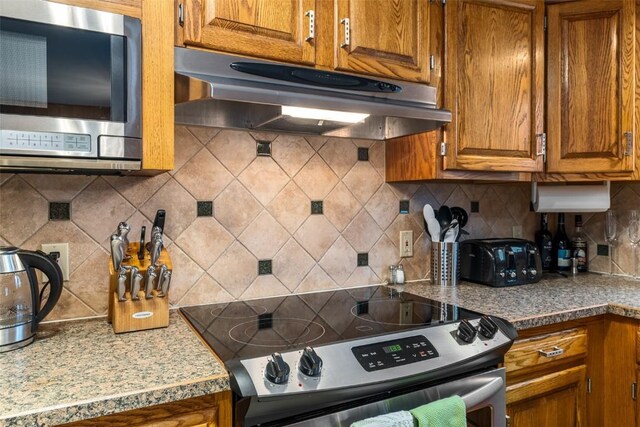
x,y
388,354
44,141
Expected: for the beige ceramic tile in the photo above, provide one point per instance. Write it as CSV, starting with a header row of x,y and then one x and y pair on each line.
x,y
263,287
185,273
90,281
477,228
264,236
441,191
179,205
291,152
458,198
416,205
625,200
340,206
235,149
474,191
383,206
403,222
4,177
404,191
362,276
70,307
22,211
383,254
363,232
291,207
376,157
316,280
80,244
316,235
264,136
264,179
316,178
339,261
186,146
419,265
363,142
58,188
204,241
292,264
203,133
492,208
363,181
205,291
99,209
203,176
235,270
235,208
340,154
316,142
138,189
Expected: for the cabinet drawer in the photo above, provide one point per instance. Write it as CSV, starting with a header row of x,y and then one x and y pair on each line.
x,y
638,349
543,349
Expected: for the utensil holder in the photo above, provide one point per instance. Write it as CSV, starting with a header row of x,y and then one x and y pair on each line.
x,y
445,263
137,315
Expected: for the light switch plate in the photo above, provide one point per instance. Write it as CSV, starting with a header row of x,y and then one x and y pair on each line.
x,y
62,250
406,243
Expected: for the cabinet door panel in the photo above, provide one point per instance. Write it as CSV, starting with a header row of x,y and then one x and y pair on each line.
x,y
388,38
590,86
494,85
265,29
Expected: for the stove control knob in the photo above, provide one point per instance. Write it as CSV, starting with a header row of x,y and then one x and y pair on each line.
x,y
487,327
310,363
466,332
277,370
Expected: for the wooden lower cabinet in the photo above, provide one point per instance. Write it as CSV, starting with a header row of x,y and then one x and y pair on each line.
x,y
206,411
555,399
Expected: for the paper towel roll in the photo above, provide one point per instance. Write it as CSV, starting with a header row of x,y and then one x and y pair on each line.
x,y
571,198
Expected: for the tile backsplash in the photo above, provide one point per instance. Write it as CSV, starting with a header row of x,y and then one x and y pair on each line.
x,y
243,226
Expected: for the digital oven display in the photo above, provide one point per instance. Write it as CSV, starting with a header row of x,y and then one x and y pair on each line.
x,y
392,348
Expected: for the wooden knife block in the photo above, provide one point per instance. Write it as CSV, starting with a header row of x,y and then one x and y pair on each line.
x,y
137,315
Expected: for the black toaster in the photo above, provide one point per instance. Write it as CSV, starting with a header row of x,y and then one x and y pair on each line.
x,y
500,262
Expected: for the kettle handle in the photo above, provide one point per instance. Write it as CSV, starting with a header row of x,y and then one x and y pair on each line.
x,y
40,261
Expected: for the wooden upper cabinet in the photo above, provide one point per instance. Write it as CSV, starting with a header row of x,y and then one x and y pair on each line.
x,y
590,87
386,38
277,30
494,84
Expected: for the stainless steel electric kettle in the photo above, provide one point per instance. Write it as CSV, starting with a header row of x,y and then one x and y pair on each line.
x,y
20,295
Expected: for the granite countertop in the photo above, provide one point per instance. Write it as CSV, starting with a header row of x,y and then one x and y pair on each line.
x,y
554,299
80,369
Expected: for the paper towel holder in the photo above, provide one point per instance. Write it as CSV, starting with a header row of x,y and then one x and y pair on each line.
x,y
571,198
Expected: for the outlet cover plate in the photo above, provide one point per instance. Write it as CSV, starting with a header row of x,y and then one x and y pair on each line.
x,y
63,258
406,243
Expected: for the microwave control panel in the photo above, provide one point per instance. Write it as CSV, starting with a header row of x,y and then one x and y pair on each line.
x,y
388,354
44,141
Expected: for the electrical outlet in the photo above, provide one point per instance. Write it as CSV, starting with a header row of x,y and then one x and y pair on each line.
x,y
516,231
406,243
61,251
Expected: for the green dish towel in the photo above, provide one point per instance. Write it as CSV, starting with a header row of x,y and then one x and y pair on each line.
x,y
449,412
394,419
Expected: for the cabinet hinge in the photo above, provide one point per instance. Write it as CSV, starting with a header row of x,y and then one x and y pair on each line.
x,y
634,391
629,146
543,146
588,385
432,62
508,418
181,14
443,148
444,2
545,23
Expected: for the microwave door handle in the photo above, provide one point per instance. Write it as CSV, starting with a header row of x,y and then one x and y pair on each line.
x,y
479,396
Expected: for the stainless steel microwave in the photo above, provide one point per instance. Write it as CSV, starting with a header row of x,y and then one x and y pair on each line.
x,y
70,89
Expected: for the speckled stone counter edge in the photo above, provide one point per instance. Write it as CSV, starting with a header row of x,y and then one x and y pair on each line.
x,y
116,404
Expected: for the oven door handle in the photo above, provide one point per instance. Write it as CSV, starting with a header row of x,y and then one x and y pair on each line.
x,y
479,396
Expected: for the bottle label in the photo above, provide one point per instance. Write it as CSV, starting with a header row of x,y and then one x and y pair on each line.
x,y
580,254
563,258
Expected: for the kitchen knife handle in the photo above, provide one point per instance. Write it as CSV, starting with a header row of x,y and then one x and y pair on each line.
x,y
143,232
135,286
122,287
159,219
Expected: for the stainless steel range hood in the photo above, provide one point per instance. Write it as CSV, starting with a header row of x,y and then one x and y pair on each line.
x,y
228,91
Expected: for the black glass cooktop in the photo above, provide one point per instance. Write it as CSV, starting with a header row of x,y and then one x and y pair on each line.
x,y
246,329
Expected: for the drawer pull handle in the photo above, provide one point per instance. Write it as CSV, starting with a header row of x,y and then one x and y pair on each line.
x,y
557,351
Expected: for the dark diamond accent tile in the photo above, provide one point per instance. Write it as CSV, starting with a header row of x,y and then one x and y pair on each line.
x,y
263,148
363,154
475,206
205,208
59,211
362,307
603,250
316,207
265,321
404,206
264,266
363,260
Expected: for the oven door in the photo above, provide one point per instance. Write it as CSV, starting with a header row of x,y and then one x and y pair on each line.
x,y
483,394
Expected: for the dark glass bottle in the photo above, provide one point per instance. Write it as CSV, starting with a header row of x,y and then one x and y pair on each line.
x,y
544,243
561,247
580,247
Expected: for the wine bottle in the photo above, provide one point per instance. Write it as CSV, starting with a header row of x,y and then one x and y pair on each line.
x,y
561,247
544,243
580,247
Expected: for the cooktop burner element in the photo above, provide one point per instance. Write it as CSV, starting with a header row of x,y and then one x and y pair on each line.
x,y
244,329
